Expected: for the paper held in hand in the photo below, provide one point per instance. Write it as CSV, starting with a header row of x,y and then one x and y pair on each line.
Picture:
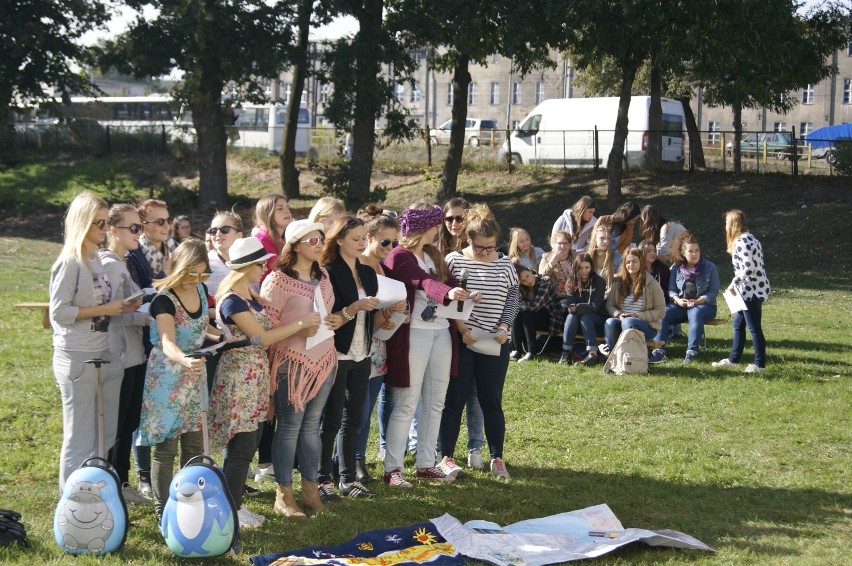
x,y
390,292
398,318
735,301
452,310
486,342
324,332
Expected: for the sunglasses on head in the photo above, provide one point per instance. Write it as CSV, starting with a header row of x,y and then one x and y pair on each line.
x,y
353,222
134,228
101,224
386,242
451,219
224,229
313,241
390,213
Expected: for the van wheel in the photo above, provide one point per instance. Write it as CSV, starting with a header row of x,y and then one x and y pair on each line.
x,y
433,142
473,142
780,155
516,159
830,158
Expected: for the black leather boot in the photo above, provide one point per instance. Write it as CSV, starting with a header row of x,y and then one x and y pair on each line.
x,y
361,473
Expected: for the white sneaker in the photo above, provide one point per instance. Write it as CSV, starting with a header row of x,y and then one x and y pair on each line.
x,y
603,349
498,468
751,368
267,474
450,468
132,496
249,520
726,363
527,357
380,455
474,459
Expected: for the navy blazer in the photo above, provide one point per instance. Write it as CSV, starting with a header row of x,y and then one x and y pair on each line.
x,y
346,293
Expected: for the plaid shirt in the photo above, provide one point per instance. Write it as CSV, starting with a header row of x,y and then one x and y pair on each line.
x,y
546,299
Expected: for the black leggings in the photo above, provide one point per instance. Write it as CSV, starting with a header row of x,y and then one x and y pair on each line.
x,y
524,328
129,413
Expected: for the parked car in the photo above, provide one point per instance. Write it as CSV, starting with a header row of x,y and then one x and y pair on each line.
x,y
476,131
823,140
778,144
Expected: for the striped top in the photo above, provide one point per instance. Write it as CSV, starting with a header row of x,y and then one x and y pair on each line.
x,y
498,282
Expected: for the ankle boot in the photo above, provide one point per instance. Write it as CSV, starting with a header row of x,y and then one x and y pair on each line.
x,y
361,472
285,503
310,496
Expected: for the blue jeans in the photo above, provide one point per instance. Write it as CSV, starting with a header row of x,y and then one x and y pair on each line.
x,y
297,432
695,316
749,318
375,385
384,411
614,326
590,323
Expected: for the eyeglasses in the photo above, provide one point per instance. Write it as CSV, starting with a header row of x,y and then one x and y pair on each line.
x,y
313,241
224,229
158,221
390,213
562,243
101,224
480,249
134,228
385,243
451,219
200,276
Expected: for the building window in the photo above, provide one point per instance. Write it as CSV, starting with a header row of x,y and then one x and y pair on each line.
x,y
324,94
415,93
417,57
779,127
808,94
516,93
494,97
849,47
805,128
449,94
515,124
539,92
287,93
399,92
847,91
471,94
713,127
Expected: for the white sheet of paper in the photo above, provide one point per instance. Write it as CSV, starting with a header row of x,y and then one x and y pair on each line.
x,y
390,292
735,301
211,349
144,308
486,342
452,311
398,318
324,332
150,291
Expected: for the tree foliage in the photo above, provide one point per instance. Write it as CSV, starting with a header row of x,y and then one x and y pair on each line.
x,y
40,43
215,43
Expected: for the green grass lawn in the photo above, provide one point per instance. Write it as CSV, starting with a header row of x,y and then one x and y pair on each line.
x,y
755,466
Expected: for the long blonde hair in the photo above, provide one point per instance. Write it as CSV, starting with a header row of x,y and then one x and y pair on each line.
x,y
187,255
514,252
78,219
233,277
593,248
736,225
325,207
412,240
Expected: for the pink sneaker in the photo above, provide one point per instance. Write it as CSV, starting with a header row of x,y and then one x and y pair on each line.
x,y
450,468
432,474
498,468
394,478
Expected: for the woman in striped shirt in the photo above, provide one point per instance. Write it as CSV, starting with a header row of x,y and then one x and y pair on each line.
x,y
495,278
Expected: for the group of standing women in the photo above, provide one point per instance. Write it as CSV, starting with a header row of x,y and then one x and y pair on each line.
x,y
297,301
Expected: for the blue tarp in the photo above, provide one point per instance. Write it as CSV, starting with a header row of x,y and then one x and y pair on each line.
x,y
825,137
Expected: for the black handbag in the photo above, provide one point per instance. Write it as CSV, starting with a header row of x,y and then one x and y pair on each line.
x,y
12,530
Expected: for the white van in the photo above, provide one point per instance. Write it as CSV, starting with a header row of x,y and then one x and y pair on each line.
x,y
560,132
262,125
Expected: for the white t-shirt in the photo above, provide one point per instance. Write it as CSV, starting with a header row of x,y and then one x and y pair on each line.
x,y
421,300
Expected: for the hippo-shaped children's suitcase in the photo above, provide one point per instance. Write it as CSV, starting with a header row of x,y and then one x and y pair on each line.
x,y
91,517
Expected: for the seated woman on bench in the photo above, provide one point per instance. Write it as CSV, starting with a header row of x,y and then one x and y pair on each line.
x,y
693,286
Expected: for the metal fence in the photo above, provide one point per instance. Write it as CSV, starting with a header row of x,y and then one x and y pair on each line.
x,y
764,152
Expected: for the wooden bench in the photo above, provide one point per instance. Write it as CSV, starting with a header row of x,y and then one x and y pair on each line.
x,y
601,340
45,311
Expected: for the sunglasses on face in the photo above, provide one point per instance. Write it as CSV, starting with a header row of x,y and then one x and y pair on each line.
x,y
101,224
451,219
224,229
200,276
313,241
134,228
159,221
385,243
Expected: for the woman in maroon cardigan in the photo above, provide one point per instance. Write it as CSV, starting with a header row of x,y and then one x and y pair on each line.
x,y
422,354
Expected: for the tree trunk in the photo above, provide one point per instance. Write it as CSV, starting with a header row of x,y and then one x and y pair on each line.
x,y
738,134
289,173
655,121
209,125
614,170
461,81
696,150
365,110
